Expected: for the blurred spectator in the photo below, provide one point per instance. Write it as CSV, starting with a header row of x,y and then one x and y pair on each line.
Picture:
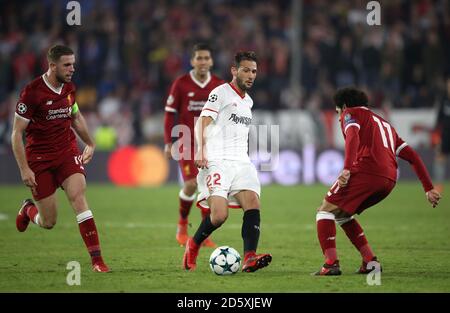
x,y
105,137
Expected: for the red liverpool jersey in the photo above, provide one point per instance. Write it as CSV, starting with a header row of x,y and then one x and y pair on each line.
x,y
186,98
49,111
379,143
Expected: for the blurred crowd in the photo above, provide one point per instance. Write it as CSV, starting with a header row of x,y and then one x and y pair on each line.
x,y
128,53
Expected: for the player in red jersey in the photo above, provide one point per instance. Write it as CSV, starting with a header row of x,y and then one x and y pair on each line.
x,y
46,111
187,96
369,175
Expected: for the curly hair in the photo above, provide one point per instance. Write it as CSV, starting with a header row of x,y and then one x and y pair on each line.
x,y
350,97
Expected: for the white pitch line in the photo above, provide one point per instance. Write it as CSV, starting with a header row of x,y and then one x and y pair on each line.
x,y
3,217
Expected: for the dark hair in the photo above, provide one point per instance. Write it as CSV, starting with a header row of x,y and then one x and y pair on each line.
x,y
244,56
350,97
57,51
200,46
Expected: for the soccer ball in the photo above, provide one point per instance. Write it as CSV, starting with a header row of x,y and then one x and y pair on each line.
x,y
225,261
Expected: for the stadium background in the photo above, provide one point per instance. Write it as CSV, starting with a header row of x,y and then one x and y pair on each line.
x,y
128,53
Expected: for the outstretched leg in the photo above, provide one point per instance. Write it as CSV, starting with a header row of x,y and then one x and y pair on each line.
x,y
219,214
187,198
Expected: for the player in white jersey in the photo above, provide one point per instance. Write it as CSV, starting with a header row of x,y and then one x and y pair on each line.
x,y
227,178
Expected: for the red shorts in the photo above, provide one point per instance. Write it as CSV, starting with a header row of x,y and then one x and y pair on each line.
x,y
363,191
50,174
188,169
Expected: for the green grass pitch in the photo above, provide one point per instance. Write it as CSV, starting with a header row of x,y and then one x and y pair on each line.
x,y
137,235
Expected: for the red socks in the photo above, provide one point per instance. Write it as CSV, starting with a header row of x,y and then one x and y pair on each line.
x,y
326,231
185,207
356,235
185,204
88,232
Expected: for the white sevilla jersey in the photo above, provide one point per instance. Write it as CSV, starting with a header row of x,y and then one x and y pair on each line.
x,y
227,136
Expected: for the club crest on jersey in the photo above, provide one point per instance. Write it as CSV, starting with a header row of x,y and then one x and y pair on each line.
x,y
22,108
191,94
187,170
212,98
49,102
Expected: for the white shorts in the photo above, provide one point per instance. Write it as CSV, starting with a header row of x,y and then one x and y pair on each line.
x,y
225,178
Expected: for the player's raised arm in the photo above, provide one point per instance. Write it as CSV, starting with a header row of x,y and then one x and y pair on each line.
x,y
80,127
27,175
408,154
200,139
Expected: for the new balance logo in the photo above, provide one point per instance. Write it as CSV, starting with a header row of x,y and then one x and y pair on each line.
x,y
91,233
331,238
49,102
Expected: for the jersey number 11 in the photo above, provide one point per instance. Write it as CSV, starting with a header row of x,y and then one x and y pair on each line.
x,y
383,133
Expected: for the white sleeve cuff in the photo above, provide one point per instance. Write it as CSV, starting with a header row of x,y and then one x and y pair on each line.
x,y
20,116
400,148
169,109
209,112
351,124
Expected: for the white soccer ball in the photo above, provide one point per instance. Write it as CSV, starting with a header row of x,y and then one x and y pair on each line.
x,y
225,261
